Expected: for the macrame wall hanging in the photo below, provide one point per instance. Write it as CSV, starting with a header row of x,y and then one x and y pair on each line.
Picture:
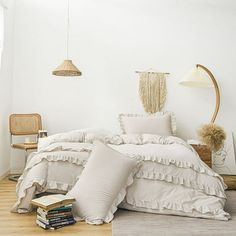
x,y
152,90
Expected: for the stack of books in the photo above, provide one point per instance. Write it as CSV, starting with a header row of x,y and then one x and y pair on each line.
x,y
54,211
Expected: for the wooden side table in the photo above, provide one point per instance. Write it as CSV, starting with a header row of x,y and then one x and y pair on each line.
x,y
204,153
230,181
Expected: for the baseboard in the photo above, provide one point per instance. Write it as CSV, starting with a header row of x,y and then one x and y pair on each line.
x,y
3,176
16,172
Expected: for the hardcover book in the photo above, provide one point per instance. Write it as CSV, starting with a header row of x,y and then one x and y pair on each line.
x,y
52,201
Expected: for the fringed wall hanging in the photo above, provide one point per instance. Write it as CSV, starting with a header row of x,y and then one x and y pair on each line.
x,y
152,90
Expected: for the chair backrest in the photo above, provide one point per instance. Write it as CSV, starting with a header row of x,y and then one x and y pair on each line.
x,y
25,124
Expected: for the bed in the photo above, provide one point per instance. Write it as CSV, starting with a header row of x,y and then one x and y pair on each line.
x,y
171,179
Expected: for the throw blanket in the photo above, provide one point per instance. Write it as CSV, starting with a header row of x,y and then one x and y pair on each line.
x,y
171,180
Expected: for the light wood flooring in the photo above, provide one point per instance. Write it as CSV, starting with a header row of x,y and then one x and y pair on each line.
x,y
24,224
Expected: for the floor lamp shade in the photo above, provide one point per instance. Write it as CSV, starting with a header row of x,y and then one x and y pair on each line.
x,y
67,68
201,77
197,78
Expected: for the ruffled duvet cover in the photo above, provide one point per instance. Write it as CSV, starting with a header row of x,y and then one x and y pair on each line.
x,y
171,180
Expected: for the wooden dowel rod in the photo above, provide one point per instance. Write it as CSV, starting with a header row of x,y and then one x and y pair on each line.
x,y
150,72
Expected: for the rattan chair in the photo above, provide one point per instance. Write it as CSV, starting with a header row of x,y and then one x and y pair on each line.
x,y
22,125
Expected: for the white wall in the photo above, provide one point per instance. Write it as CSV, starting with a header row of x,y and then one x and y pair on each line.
x,y
109,40
6,87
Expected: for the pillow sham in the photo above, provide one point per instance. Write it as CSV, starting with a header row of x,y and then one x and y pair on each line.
x,y
161,123
102,184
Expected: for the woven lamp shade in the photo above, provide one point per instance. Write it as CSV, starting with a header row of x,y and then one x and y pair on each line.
x,y
67,68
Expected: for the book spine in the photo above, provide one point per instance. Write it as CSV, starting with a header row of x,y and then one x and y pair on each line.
x,y
62,208
42,211
69,206
68,222
58,211
62,214
55,225
55,220
57,205
43,225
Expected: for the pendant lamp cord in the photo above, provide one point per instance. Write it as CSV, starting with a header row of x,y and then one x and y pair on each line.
x,y
68,26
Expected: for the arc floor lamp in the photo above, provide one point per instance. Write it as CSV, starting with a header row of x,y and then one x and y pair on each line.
x,y
197,78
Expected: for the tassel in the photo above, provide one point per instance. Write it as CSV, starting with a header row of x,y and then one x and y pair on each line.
x,y
152,91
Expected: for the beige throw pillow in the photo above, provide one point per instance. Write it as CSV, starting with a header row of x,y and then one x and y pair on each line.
x,y
102,184
162,123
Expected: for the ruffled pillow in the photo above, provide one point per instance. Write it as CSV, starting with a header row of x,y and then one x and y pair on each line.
x,y
102,184
161,123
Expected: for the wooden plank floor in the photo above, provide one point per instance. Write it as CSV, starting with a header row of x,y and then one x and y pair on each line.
x,y
24,224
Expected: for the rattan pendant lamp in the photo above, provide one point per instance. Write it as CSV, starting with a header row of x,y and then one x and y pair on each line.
x,y
67,68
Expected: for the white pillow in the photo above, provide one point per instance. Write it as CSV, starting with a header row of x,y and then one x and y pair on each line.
x,y
161,123
102,184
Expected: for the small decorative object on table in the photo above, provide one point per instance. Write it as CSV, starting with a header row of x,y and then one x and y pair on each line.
x,y
54,211
42,134
212,135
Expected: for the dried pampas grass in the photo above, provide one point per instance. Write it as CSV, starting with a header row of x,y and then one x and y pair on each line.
x,y
213,136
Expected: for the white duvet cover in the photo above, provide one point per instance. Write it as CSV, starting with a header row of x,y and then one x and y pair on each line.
x,y
171,180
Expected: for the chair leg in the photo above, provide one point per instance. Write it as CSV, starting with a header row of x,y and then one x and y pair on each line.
x,y
16,177
26,156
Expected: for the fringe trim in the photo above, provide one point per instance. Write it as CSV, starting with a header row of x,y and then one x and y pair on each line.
x,y
152,91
